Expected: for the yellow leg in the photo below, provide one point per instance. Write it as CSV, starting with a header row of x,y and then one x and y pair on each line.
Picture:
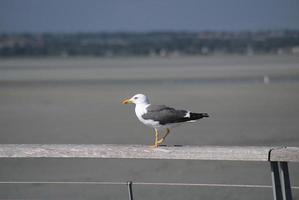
x,y
156,139
163,138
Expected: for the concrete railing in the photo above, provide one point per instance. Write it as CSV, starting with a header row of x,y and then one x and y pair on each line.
x,y
278,157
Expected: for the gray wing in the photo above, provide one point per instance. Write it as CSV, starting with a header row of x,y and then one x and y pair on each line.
x,y
165,115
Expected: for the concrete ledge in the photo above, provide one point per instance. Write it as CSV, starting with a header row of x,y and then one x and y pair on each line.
x,y
237,153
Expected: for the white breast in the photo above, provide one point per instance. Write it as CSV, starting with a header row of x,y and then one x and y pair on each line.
x,y
140,109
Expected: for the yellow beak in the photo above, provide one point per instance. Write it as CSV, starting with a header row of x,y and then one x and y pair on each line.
x,y
127,101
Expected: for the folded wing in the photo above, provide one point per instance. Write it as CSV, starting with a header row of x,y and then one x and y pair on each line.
x,y
167,115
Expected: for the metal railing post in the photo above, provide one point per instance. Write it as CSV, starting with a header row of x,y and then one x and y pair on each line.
x,y
130,190
285,181
276,185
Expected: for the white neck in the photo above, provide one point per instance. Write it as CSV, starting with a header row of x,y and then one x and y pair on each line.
x,y
142,105
140,109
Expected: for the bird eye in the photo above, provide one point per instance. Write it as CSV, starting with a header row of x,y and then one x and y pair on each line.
x,y
135,97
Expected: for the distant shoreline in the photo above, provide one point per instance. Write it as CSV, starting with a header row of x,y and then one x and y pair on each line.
x,y
152,44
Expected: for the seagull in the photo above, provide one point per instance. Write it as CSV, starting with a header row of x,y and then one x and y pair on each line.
x,y
160,117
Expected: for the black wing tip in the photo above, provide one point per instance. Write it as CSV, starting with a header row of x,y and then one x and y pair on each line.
x,y
195,116
205,115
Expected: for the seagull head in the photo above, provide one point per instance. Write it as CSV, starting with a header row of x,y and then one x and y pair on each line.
x,y
137,99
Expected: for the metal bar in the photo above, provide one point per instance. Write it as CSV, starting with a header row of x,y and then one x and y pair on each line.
x,y
144,183
276,185
130,190
285,181
202,184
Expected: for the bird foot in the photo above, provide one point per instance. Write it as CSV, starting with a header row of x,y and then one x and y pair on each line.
x,y
160,141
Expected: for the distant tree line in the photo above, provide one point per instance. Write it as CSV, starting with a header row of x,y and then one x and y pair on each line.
x,y
149,44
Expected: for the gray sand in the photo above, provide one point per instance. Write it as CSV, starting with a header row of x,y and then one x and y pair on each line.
x,y
78,101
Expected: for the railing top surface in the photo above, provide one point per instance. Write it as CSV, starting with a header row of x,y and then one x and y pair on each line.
x,y
237,153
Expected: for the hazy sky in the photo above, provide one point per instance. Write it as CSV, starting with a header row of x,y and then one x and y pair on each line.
x,y
146,15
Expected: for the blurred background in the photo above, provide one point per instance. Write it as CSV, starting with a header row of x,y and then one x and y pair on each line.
x,y
66,65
